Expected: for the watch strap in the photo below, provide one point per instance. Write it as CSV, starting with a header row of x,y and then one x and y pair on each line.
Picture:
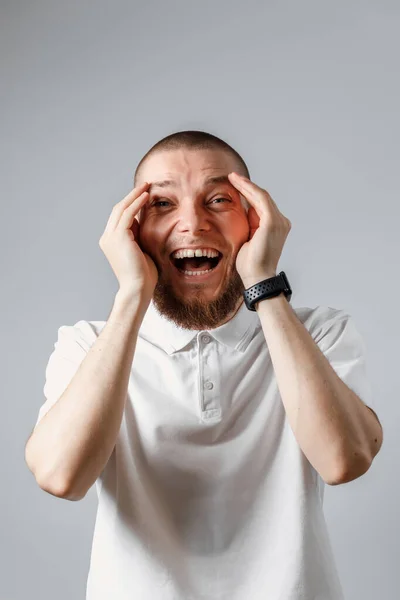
x,y
269,288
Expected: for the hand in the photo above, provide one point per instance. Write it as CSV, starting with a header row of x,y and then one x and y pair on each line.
x,y
258,258
134,269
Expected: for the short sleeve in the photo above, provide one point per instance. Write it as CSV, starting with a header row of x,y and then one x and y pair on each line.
x,y
72,345
339,339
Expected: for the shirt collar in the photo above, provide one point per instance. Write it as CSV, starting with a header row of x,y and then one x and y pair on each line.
x,y
235,333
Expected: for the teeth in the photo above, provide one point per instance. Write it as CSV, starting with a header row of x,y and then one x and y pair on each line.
x,y
189,253
194,273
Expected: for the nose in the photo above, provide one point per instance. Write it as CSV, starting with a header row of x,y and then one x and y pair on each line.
x,y
193,218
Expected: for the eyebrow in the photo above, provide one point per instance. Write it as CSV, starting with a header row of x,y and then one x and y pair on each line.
x,y
209,181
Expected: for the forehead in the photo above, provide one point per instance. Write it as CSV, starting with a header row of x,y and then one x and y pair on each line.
x,y
186,165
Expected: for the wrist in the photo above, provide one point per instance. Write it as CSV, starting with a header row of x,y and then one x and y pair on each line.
x,y
272,302
250,281
129,304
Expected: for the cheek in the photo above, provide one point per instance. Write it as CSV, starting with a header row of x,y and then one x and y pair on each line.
x,y
142,235
240,225
242,231
149,241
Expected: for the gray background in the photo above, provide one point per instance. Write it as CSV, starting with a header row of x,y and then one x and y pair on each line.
x,y
308,93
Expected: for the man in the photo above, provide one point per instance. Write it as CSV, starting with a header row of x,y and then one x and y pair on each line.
x,y
207,411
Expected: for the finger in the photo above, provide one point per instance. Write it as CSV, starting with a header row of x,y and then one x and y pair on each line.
x,y
119,208
241,182
273,203
130,212
247,188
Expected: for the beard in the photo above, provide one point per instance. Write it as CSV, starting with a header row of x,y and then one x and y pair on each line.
x,y
188,305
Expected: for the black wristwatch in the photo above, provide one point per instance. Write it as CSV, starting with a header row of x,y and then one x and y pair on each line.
x,y
267,289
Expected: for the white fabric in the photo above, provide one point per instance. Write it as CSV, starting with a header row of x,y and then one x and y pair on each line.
x,y
207,494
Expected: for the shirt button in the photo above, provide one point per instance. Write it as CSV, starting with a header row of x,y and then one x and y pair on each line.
x,y
209,385
206,339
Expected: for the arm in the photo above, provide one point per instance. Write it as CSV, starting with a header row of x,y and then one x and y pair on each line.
x,y
337,432
72,443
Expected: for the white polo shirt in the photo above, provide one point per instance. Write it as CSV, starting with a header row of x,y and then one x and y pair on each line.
x,y
207,494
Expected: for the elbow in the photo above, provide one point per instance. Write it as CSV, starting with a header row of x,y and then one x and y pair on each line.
x,y
56,486
60,489
349,470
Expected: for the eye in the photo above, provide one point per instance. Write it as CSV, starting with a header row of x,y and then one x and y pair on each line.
x,y
226,199
157,202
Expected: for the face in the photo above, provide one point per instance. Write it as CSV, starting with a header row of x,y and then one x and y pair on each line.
x,y
193,210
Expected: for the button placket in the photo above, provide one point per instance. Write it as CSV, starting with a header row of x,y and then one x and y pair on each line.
x,y
209,402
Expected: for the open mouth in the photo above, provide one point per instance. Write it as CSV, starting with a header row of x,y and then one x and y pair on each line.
x,y
196,266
